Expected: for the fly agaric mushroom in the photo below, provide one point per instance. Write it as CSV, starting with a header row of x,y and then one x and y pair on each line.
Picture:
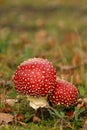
x,y
36,78
64,94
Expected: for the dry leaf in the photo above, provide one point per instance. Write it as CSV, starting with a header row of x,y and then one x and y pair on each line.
x,y
25,38
19,117
85,58
11,102
76,59
6,118
70,114
1,75
7,108
77,78
82,103
68,37
79,106
40,23
41,36
85,100
36,119
2,97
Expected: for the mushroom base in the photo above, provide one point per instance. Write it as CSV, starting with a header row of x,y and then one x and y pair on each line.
x,y
37,102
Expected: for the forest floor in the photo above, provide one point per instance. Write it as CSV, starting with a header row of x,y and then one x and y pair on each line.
x,y
53,30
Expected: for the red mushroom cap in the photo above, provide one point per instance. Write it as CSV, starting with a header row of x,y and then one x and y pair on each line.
x,y
64,93
35,77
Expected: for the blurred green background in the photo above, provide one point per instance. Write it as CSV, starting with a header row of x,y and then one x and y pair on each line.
x,y
56,30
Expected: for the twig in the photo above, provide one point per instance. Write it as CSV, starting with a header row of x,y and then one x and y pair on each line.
x,y
22,123
61,124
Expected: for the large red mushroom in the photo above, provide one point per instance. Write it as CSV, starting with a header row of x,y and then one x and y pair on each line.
x,y
36,78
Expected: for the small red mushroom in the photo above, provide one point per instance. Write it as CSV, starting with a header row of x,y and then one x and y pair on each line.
x,y
36,78
64,93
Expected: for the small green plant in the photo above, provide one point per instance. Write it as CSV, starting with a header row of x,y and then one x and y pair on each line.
x,y
74,122
77,118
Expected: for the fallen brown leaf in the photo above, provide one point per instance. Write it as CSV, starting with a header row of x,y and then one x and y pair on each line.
x,y
68,37
41,36
7,108
85,60
76,59
6,118
1,75
82,101
85,100
36,119
19,117
77,78
40,23
81,105
70,114
25,38
11,102
2,97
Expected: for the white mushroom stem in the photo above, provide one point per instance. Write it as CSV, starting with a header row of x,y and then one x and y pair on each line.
x,y
37,102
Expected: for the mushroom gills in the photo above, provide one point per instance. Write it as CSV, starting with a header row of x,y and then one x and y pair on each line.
x,y
37,102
